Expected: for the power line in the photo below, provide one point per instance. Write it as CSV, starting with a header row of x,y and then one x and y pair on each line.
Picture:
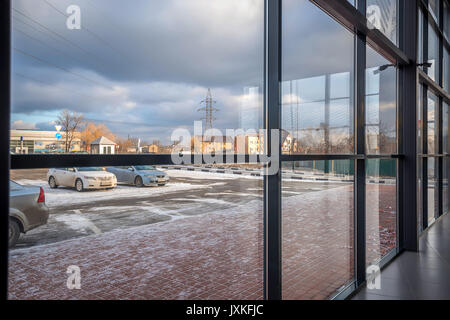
x,y
57,34
46,45
83,27
61,68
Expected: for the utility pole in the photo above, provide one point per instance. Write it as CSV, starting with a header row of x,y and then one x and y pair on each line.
x,y
209,110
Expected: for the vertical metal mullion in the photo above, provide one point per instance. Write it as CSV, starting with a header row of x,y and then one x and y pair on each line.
x,y
5,59
272,183
360,198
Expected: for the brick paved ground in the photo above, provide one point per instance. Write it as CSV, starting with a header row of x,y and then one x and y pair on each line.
x,y
214,256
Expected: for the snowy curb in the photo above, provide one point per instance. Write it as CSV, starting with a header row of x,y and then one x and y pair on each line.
x,y
304,176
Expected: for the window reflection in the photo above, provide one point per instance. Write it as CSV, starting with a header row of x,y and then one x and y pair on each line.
x,y
382,14
317,104
381,105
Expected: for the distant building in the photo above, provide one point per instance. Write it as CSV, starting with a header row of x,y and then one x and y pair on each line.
x,y
214,144
249,144
38,141
153,148
103,145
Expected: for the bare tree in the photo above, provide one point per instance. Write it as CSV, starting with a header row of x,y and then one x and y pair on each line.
x,y
70,122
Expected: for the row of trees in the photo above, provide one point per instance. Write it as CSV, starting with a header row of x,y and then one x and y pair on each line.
x,y
74,124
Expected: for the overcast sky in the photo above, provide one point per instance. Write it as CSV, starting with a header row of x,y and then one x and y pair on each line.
x,y
142,66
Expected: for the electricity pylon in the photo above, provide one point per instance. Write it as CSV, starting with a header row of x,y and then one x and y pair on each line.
x,y
209,110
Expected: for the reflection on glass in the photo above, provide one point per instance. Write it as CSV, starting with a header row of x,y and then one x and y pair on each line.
x,y
382,14
446,71
317,228
420,207
446,161
433,53
317,108
432,193
381,209
446,21
381,105
419,119
420,27
445,188
432,134
433,6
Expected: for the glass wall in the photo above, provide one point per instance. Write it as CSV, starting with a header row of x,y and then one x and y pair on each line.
x,y
381,174
317,118
122,82
433,113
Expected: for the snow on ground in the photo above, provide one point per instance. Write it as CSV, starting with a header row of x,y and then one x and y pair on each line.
x,y
201,175
68,196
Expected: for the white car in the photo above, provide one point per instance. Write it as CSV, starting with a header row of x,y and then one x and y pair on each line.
x,y
81,178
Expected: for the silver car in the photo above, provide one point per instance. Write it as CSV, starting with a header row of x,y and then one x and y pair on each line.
x,y
81,178
140,175
27,210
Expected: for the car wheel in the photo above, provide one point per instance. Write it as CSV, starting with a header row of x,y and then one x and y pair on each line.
x,y
79,185
52,183
14,233
138,182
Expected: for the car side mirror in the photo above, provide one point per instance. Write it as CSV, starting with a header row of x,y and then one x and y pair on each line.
x,y
131,169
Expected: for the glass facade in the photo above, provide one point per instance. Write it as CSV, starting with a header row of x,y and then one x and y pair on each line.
x,y
432,113
232,149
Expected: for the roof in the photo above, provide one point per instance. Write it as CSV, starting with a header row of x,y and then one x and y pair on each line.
x,y
103,140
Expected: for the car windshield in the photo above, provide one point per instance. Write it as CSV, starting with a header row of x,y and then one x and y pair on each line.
x,y
144,168
89,169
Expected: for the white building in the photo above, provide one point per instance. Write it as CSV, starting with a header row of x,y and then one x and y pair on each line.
x,y
103,145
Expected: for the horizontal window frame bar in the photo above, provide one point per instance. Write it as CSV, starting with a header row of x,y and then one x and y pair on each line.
x,y
43,161
433,86
309,157
421,155
355,21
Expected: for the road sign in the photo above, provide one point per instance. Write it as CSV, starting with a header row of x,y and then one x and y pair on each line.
x,y
58,128
58,136
21,138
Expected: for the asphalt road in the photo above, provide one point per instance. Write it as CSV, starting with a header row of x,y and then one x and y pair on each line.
x,y
204,196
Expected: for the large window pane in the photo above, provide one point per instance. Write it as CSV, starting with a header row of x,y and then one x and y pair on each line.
x,y
134,73
432,134
381,209
317,228
383,15
433,53
317,104
432,192
200,236
446,161
381,105
446,71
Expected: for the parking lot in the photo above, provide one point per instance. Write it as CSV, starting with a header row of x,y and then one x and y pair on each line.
x,y
189,193
157,242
